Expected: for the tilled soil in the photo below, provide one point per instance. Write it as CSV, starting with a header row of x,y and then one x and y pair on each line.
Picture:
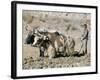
x,y
59,62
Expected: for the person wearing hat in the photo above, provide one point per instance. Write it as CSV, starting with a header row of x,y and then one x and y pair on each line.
x,y
84,40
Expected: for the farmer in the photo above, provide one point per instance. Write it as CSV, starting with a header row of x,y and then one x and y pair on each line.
x,y
84,40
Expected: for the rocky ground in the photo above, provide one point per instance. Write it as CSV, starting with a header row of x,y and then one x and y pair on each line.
x,y
60,62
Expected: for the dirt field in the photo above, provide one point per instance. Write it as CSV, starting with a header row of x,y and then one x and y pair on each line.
x,y
31,62
65,23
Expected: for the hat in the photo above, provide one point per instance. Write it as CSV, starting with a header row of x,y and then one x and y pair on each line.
x,y
84,25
